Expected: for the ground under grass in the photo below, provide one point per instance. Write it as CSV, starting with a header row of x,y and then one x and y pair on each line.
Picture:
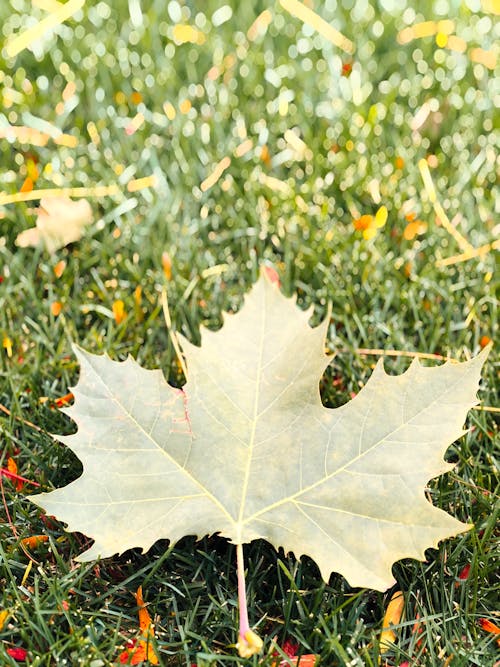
x,y
308,206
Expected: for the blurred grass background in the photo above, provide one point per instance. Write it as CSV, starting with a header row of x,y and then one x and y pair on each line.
x,y
314,140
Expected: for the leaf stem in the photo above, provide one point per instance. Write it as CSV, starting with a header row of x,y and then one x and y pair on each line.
x,y
242,594
249,643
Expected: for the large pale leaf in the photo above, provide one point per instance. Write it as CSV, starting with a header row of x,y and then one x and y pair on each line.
x,y
248,450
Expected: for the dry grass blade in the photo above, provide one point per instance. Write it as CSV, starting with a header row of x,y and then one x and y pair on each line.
x,y
300,11
26,38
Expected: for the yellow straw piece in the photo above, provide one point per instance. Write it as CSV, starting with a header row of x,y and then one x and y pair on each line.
x,y
275,184
171,332
426,29
97,191
259,26
93,133
216,174
469,254
483,57
142,183
243,148
66,140
438,209
402,353
300,11
55,18
426,177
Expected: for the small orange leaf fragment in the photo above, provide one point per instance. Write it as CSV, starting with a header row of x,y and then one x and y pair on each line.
x,y
142,650
28,185
59,268
144,617
34,541
119,311
489,626
265,156
55,308
12,468
64,400
364,222
413,229
392,617
166,264
485,340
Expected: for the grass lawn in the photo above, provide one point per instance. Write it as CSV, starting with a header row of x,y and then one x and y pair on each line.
x,y
268,143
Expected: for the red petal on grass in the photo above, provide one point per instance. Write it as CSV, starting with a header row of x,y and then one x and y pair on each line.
x,y
17,653
489,626
464,574
271,274
290,648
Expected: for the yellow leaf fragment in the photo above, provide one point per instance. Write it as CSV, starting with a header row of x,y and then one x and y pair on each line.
x,y
60,221
392,617
119,312
183,33
4,615
7,345
381,217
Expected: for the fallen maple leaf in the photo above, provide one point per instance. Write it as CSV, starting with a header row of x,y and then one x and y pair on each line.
x,y
60,221
248,450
